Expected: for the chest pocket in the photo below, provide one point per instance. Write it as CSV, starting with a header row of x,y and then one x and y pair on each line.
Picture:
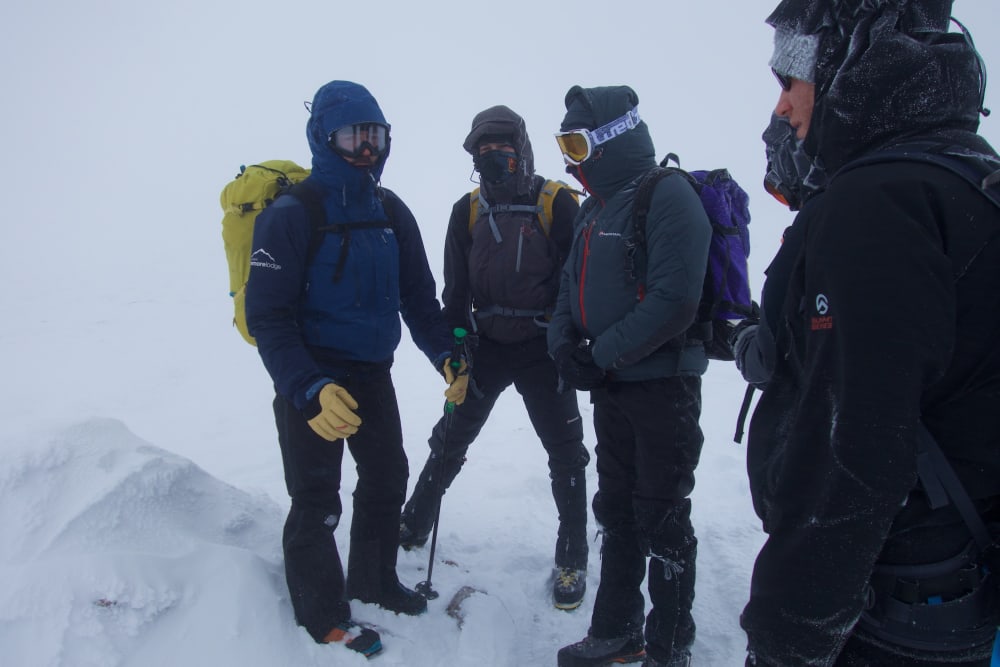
x,y
356,266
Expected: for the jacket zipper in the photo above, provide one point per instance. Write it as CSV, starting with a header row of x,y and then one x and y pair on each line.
x,y
583,270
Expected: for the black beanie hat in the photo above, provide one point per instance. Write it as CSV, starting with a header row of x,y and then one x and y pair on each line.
x,y
581,112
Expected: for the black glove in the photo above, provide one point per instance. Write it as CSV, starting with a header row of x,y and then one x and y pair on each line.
x,y
577,368
751,320
741,341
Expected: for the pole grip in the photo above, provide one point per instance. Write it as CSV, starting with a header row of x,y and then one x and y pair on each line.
x,y
456,358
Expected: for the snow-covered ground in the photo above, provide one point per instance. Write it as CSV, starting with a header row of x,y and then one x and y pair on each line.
x,y
141,489
119,552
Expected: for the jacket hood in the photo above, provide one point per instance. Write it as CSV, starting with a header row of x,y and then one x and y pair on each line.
x,y
335,105
621,160
900,46
501,120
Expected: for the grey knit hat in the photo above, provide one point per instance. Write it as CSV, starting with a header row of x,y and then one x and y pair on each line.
x,y
795,54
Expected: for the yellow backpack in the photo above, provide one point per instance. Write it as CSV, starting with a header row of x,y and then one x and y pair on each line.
x,y
543,207
243,198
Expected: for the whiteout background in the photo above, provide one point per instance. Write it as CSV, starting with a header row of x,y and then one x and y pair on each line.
x,y
141,490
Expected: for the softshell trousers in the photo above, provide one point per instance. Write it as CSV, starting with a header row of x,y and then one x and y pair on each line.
x,y
648,445
312,465
556,420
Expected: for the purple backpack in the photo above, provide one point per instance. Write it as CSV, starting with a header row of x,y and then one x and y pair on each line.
x,y
725,297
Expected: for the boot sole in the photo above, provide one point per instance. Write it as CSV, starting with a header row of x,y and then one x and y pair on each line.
x,y
568,606
620,660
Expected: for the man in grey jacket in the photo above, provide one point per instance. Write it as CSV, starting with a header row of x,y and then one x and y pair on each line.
x,y
619,331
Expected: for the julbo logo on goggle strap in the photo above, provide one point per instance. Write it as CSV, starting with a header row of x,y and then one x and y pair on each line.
x,y
578,145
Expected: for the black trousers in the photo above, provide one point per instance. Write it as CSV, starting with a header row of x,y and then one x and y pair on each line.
x,y
556,419
648,445
312,465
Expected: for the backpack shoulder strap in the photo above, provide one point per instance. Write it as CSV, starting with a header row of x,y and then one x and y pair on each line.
x,y
546,200
311,199
390,203
980,170
476,205
644,197
942,484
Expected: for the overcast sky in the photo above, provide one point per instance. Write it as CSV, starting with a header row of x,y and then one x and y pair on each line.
x,y
121,122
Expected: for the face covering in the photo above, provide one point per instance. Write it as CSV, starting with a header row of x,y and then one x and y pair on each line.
x,y
496,166
792,177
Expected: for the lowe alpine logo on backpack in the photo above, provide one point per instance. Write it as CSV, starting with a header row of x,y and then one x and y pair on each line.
x,y
725,297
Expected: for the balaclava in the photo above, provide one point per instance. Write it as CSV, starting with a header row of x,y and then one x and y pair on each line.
x,y
790,171
619,161
503,177
352,190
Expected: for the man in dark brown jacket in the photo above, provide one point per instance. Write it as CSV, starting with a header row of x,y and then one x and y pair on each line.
x,y
504,251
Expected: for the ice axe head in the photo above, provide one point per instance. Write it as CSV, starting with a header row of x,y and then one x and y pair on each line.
x,y
428,593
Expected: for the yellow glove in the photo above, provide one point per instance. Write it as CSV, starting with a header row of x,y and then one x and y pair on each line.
x,y
457,385
336,418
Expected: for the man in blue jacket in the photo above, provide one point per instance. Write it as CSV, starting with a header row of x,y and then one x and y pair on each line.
x,y
324,305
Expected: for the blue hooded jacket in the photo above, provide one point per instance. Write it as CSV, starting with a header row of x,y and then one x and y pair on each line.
x,y
316,307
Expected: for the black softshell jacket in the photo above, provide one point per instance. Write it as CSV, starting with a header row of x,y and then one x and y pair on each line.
x,y
892,316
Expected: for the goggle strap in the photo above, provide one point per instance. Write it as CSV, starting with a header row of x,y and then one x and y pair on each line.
x,y
609,131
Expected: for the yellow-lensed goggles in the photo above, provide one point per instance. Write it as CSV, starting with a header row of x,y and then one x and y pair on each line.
x,y
577,146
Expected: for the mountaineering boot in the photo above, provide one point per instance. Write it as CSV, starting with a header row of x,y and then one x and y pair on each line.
x,y
568,588
682,659
363,640
408,539
371,578
594,652
398,598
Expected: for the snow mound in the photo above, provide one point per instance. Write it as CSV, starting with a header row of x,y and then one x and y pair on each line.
x,y
118,552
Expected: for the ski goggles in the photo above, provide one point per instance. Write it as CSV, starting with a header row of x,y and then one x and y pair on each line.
x,y
352,140
578,146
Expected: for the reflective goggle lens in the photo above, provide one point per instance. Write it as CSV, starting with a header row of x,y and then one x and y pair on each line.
x,y
351,140
578,145
575,146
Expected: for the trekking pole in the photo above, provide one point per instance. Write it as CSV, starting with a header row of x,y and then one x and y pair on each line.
x,y
424,587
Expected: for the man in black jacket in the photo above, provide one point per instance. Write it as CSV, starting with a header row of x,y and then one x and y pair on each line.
x,y
887,333
502,262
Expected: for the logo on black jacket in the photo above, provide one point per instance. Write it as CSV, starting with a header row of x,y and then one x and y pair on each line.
x,y
824,321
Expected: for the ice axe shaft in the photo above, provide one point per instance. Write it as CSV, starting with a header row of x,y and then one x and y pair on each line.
x,y
424,587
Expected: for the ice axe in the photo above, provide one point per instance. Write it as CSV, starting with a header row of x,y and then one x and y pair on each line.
x,y
457,352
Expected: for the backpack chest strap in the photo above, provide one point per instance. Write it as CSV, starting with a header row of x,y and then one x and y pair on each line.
x,y
344,229
484,207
